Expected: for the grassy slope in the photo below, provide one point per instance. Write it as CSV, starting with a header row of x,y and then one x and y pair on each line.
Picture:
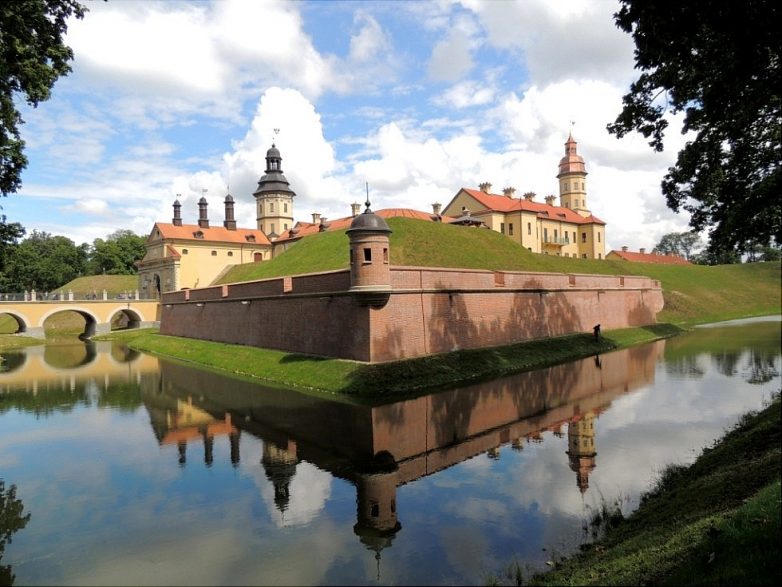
x,y
693,293
113,284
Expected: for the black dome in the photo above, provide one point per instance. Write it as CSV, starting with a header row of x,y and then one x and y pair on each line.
x,y
368,220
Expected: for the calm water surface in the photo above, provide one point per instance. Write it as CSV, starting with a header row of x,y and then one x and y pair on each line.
x,y
119,468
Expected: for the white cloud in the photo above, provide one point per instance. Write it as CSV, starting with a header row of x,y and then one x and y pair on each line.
x,y
369,41
450,60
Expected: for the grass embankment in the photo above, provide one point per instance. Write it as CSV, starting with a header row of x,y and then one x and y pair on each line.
x,y
694,294
716,522
395,379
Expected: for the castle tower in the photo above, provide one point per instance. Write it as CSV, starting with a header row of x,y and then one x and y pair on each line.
x,y
377,523
274,197
370,274
581,449
279,464
572,179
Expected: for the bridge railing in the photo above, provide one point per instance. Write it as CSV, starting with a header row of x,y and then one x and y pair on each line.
x,y
68,296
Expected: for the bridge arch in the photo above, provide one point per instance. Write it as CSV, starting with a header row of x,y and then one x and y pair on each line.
x,y
22,322
127,318
91,321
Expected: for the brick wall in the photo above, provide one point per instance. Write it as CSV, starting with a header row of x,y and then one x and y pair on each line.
x,y
428,311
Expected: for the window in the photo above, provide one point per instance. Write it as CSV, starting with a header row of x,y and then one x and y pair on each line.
x,y
214,253
598,237
574,237
599,255
272,226
367,255
198,234
584,256
285,207
385,256
502,227
184,251
545,235
566,186
583,237
230,253
510,229
250,238
556,235
285,226
529,227
271,207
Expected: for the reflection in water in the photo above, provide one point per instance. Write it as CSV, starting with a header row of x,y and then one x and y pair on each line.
x,y
12,519
269,479
379,448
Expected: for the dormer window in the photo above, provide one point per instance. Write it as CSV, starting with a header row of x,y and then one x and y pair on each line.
x,y
250,238
198,234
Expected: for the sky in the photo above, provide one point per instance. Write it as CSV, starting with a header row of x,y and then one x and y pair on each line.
x,y
416,100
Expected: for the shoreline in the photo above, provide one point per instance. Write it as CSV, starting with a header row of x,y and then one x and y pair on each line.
x,y
392,380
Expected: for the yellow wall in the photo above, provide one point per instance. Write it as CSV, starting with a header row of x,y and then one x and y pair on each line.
x,y
275,213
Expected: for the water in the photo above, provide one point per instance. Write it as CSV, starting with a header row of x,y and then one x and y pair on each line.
x,y
135,470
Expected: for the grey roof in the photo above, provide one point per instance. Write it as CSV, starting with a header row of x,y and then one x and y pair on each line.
x,y
370,221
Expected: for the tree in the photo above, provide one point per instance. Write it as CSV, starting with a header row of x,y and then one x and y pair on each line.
x,y
677,243
44,262
117,254
10,233
719,63
32,57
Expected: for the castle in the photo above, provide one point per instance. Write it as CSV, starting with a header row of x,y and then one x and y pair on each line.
x,y
182,256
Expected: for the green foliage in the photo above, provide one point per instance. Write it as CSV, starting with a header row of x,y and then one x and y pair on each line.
x,y
12,519
44,262
677,243
117,255
719,63
32,57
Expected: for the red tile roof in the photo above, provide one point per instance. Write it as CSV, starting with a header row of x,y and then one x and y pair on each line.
x,y
497,203
306,228
213,234
650,258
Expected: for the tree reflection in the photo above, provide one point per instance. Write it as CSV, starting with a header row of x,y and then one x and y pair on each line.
x,y
761,367
12,519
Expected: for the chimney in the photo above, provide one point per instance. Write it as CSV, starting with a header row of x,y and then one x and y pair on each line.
x,y
229,221
355,209
322,226
508,192
316,217
642,251
550,200
529,196
203,221
624,249
485,187
177,219
437,208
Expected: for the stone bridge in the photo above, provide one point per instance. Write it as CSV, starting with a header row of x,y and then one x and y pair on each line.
x,y
30,316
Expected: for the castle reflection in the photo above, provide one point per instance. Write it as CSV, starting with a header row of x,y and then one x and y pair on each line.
x,y
377,448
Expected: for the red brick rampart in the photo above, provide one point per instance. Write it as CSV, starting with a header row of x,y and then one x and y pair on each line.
x,y
429,310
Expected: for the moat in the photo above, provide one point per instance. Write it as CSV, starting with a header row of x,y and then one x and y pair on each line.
x,y
136,470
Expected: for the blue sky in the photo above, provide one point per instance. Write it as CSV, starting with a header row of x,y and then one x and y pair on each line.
x,y
417,99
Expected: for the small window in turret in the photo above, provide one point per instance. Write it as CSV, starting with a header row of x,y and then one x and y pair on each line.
x,y
385,256
367,255
285,208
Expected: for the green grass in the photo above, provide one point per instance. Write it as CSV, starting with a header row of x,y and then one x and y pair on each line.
x,y
694,294
388,380
113,284
716,522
